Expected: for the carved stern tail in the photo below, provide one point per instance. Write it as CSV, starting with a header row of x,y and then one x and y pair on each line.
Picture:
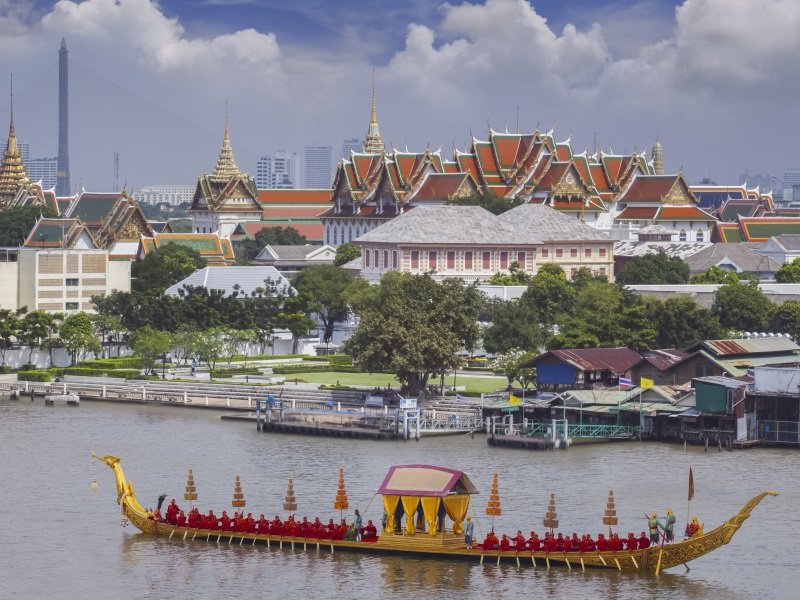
x,y
683,552
126,498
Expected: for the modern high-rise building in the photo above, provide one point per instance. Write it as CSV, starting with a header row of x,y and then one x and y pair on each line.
x,y
318,166
281,171
44,170
353,144
63,185
174,195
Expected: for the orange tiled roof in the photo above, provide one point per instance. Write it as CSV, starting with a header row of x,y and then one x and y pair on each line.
x,y
297,196
637,213
683,213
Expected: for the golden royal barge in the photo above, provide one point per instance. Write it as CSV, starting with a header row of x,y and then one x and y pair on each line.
x,y
436,490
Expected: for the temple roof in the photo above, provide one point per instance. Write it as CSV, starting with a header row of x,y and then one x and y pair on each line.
x,y
226,163
373,142
12,170
58,233
217,251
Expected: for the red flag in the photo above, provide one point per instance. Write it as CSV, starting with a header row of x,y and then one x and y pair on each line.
x,y
691,484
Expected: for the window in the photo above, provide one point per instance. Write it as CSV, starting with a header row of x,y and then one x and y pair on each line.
x,y
468,261
545,252
451,261
504,260
572,273
366,258
602,252
559,252
682,235
71,306
71,282
573,252
521,260
700,235
602,271
487,261
432,261
394,259
415,259
587,252
385,259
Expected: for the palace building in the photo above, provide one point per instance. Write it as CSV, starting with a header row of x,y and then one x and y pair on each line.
x,y
226,197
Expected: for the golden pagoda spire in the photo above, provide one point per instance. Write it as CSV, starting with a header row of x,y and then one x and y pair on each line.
x,y
226,163
373,143
12,171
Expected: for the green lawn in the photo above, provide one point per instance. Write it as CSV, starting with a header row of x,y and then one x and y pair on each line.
x,y
382,380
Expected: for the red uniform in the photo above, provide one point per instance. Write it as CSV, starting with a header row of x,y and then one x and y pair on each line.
x,y
631,542
370,531
644,541
602,543
262,525
534,544
490,543
181,520
505,544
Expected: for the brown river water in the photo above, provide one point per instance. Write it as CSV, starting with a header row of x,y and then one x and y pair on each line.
x,y
62,538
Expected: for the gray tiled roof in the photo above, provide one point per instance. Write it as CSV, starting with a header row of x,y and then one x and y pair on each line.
x,y
443,225
790,241
747,259
295,252
539,223
224,278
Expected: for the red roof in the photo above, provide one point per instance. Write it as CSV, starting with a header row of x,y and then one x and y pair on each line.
x,y
665,358
304,212
553,175
637,213
678,213
599,177
649,188
311,196
441,186
616,360
563,152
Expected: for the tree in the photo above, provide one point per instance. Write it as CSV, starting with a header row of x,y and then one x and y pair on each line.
x,y
514,324
78,335
515,276
10,326
742,307
211,345
654,269
110,328
34,331
789,272
163,267
510,362
346,252
414,327
279,236
715,274
785,318
605,316
16,223
326,286
490,201
550,293
150,344
680,322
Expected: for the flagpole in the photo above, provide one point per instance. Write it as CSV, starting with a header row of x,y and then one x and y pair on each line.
x,y
689,496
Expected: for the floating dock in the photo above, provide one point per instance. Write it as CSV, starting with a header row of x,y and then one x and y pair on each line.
x,y
68,399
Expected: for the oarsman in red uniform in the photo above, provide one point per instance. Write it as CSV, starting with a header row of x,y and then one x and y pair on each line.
x,y
615,543
172,512
181,520
550,543
290,527
262,525
519,541
567,545
341,530
213,522
225,521
370,531
576,543
534,544
644,541
631,542
250,523
490,543
319,528
505,544
602,543
331,527
303,528
276,527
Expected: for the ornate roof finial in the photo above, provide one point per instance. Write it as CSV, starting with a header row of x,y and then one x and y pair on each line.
x,y
517,118
226,163
657,157
373,142
12,170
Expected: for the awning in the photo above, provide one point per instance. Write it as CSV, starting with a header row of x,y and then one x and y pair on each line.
x,y
425,480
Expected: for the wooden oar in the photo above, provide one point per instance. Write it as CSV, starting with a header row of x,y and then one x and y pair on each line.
x,y
602,560
533,559
185,533
566,560
635,564
583,566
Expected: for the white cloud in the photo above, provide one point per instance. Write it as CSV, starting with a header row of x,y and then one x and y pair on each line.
x,y
700,83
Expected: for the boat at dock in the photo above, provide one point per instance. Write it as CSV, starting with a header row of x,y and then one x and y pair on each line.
x,y
68,399
426,496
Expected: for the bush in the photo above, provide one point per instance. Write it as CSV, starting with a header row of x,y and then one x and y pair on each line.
x,y
292,369
122,362
35,375
465,393
340,360
221,373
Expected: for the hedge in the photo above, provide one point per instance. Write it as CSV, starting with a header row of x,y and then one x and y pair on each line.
x,y
220,373
122,362
35,375
292,369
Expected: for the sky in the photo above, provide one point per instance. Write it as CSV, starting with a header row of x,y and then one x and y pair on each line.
x,y
716,81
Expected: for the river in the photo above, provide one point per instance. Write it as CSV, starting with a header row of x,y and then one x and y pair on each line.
x,y
63,538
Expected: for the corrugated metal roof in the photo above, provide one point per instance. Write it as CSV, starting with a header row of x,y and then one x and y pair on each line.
x,y
727,382
616,360
766,345
225,278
